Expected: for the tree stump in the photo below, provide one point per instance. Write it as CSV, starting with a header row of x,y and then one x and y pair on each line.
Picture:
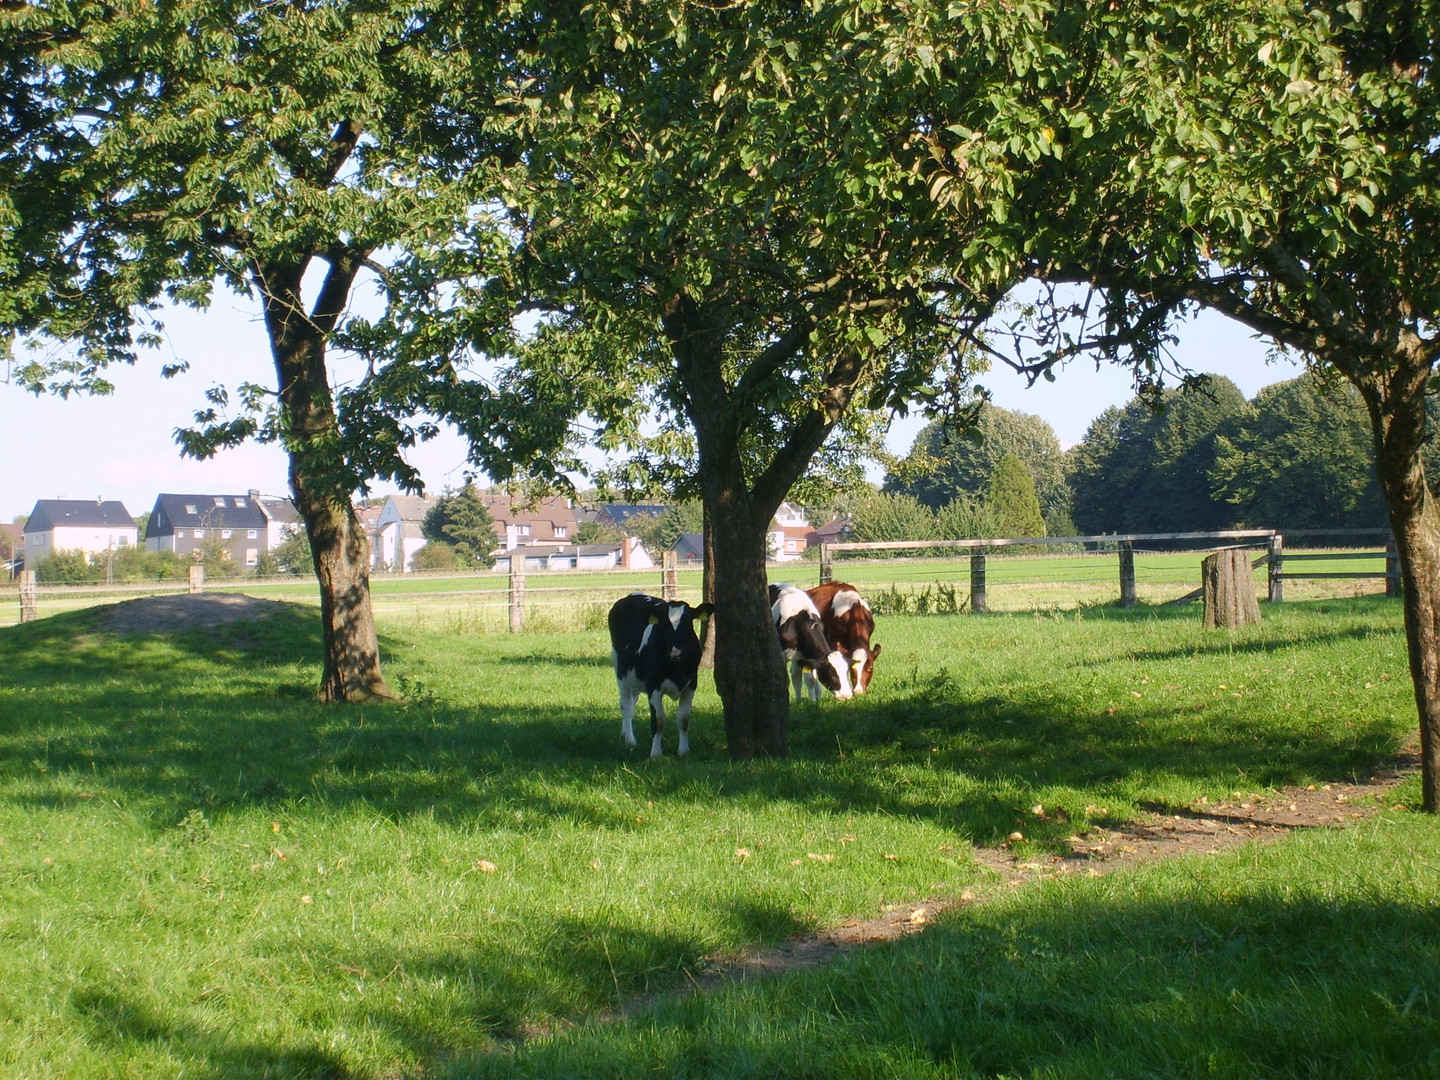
x,y
1229,589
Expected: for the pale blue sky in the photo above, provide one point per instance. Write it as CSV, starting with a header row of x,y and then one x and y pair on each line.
x,y
122,446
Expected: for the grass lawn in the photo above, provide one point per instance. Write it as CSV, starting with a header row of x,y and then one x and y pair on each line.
x,y
205,873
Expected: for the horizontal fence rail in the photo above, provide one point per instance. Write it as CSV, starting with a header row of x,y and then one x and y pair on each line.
x,y
1067,571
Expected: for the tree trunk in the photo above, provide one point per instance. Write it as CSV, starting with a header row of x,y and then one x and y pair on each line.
x,y
1228,586
1397,418
320,480
341,554
707,591
749,669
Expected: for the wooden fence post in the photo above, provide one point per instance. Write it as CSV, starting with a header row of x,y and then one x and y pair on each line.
x,y
1275,568
669,575
197,578
27,595
517,592
827,568
1127,574
977,583
1393,585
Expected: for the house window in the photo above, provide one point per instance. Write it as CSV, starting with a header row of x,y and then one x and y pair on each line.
x,y
224,534
252,556
199,534
251,534
560,530
219,500
191,508
522,530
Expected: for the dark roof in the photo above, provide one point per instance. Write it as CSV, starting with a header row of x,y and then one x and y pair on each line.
x,y
833,529
173,512
689,546
620,513
54,513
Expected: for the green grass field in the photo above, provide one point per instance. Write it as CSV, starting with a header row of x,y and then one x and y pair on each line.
x,y
205,873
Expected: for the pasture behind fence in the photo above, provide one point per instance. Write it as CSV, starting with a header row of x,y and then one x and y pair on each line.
x,y
900,576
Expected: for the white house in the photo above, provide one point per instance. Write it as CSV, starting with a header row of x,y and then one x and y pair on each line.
x,y
397,530
88,525
629,554
788,529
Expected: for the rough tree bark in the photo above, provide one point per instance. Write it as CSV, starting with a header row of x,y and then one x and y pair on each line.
x,y
1395,400
749,668
338,545
1229,590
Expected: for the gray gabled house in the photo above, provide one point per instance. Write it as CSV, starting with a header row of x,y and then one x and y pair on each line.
x,y
248,525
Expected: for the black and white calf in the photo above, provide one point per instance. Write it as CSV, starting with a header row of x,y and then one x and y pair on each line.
x,y
802,639
656,653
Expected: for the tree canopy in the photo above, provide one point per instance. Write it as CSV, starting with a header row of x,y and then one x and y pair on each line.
x,y
287,152
943,462
1300,456
1144,468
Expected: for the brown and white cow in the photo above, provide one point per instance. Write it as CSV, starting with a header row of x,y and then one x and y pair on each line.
x,y
848,624
802,640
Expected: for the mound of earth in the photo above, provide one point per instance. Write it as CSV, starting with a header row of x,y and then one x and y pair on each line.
x,y
180,612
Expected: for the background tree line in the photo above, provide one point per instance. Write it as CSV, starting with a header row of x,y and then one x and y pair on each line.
x,y
1297,456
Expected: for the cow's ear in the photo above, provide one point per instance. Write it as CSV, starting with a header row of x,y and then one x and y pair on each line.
x,y
874,651
705,610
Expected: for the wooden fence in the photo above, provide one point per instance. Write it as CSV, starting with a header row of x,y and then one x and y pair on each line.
x,y
518,599
1124,546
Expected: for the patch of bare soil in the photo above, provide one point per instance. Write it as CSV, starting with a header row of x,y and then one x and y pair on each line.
x,y
180,612
1204,828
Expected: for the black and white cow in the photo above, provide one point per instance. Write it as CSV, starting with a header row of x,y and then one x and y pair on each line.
x,y
656,653
802,639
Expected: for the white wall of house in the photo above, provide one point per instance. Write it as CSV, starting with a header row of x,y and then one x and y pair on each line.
x,y
86,538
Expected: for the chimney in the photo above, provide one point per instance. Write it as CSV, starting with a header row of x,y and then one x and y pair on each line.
x,y
625,542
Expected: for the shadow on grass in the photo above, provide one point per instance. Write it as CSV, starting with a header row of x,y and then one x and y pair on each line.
x,y
226,718
113,1019
1235,982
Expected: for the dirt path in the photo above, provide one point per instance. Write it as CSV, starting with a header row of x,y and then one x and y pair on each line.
x,y
1204,828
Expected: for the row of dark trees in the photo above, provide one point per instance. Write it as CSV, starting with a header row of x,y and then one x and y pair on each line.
x,y
744,229
1299,456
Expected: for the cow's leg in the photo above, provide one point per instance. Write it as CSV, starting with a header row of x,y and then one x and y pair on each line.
x,y
682,719
797,672
629,692
812,684
657,722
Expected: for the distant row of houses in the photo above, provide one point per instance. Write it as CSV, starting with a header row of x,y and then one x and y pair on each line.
x,y
543,533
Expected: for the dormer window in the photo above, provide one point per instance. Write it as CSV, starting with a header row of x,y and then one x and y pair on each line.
x,y
560,530
191,508
219,500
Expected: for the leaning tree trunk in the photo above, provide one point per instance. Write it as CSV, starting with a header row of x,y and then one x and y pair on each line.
x,y
1397,415
318,477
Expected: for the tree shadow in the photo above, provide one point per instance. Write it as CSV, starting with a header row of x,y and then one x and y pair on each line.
x,y
265,740
117,1020
1099,986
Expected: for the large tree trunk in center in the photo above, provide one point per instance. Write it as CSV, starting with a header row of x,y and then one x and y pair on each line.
x,y
1397,416
749,669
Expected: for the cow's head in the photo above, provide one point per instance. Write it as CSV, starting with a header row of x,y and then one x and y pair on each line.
x,y
862,667
834,674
